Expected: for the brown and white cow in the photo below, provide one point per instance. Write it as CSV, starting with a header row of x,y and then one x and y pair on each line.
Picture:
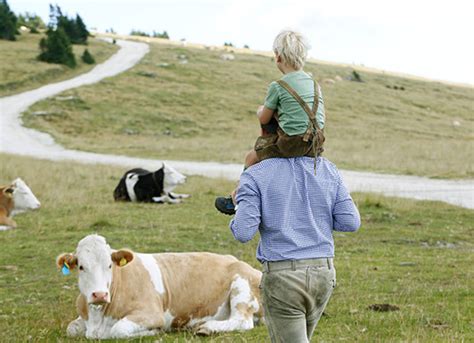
x,y
126,294
15,198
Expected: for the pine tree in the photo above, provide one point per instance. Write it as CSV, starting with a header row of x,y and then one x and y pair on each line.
x,y
81,30
7,22
56,48
87,57
69,27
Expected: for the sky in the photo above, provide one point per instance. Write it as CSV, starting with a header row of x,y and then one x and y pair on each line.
x,y
428,38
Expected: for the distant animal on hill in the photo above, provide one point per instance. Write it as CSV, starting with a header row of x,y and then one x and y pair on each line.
x,y
141,185
125,294
15,198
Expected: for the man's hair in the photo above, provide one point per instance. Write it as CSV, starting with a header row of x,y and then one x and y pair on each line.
x,y
292,47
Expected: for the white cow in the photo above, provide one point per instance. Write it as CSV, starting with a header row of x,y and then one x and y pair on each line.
x,y
125,294
15,198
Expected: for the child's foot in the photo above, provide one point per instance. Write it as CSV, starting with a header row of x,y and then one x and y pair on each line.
x,y
225,205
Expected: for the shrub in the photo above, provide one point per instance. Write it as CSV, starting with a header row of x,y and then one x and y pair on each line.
x,y
163,35
356,77
56,48
139,33
87,57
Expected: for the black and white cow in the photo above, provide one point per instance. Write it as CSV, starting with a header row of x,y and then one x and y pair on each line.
x,y
141,185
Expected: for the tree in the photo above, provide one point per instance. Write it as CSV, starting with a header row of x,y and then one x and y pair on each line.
x,y
87,57
81,30
69,27
31,21
56,48
75,29
8,21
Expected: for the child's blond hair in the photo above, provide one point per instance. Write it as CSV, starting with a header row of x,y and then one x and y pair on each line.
x,y
292,47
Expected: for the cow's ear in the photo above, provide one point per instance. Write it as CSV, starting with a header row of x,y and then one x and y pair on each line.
x,y
68,260
122,257
8,191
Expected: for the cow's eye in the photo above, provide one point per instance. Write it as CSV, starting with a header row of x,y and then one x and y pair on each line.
x,y
110,266
81,268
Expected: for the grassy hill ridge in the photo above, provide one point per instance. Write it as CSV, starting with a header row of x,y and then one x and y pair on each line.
x,y
186,103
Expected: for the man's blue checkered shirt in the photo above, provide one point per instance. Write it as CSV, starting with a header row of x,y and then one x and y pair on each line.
x,y
294,210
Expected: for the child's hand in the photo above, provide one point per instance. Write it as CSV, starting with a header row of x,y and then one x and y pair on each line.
x,y
234,194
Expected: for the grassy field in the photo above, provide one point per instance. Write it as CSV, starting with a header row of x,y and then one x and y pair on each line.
x,y
204,110
21,70
415,255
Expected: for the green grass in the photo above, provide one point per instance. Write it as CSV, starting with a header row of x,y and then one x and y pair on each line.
x,y
21,70
416,255
204,110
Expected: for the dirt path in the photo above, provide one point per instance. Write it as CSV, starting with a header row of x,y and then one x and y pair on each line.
x,y
18,140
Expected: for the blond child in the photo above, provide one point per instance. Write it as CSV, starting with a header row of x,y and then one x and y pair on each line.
x,y
292,117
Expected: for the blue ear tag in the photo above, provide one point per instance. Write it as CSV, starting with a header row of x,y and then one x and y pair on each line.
x,y
65,269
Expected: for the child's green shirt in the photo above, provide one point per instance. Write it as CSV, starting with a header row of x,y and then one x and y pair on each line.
x,y
292,118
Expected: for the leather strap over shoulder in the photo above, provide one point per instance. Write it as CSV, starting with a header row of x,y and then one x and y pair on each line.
x,y
314,132
310,112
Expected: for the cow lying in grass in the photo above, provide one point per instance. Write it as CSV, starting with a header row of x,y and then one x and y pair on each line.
x,y
142,185
126,294
14,199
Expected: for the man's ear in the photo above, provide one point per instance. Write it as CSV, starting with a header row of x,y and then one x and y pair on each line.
x,y
122,257
70,259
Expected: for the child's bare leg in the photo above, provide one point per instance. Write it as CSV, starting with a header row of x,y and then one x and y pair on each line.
x,y
251,158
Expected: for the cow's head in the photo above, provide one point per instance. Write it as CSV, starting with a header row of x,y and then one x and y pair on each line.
x,y
120,192
95,262
23,197
172,177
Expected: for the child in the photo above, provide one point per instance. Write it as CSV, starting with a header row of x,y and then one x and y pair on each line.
x,y
292,117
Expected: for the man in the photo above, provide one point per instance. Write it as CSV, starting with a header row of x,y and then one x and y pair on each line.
x,y
295,211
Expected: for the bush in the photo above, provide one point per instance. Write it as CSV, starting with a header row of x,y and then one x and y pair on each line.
x,y
56,48
163,35
139,33
356,77
87,57
8,22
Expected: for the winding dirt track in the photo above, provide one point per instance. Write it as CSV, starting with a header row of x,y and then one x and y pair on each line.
x,y
18,140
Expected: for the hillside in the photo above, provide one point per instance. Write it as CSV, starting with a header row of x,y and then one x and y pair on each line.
x,y
20,70
188,103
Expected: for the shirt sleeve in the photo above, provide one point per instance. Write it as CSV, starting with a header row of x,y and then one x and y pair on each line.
x,y
345,213
271,100
247,218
